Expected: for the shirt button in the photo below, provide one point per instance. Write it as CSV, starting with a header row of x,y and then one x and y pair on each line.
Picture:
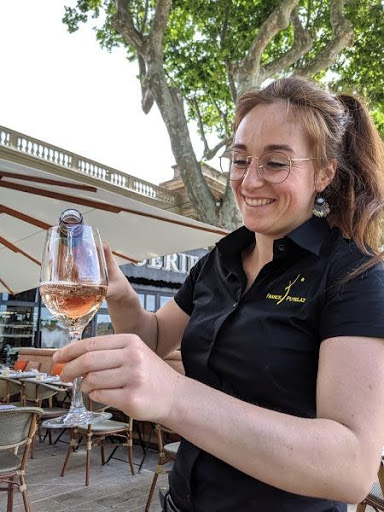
x,y
281,247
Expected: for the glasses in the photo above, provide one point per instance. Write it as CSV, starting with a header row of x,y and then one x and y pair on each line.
x,y
273,166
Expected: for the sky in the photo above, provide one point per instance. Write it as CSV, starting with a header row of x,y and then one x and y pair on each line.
x,y
63,89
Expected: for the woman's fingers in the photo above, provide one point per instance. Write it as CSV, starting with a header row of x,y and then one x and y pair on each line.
x,y
92,362
78,348
113,268
95,354
111,378
109,259
120,370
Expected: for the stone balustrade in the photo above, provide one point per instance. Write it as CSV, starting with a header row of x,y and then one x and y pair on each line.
x,y
57,156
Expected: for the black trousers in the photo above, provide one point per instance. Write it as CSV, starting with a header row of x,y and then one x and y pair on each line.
x,y
167,504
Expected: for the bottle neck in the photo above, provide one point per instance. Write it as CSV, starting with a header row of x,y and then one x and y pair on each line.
x,y
70,216
71,222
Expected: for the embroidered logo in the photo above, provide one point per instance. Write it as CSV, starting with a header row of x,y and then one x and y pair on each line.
x,y
287,297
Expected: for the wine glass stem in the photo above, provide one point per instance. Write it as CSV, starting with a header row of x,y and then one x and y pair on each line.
x,y
77,395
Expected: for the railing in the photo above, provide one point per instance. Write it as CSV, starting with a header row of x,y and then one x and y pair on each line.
x,y
57,156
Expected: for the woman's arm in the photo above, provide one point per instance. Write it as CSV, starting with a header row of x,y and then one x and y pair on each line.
x,y
334,456
161,331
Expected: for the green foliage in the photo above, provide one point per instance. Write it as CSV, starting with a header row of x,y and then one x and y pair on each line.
x,y
206,39
361,67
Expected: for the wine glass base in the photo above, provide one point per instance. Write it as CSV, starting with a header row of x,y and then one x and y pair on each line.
x,y
73,419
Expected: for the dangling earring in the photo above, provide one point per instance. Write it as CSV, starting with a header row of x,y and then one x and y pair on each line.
x,y
321,207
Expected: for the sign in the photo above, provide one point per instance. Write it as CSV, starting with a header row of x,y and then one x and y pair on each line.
x,y
176,262
164,270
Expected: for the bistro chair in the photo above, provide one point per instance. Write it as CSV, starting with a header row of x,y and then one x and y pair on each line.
x,y
17,428
10,388
375,498
96,434
167,453
40,394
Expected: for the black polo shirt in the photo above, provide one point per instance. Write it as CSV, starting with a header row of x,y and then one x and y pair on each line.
x,y
263,347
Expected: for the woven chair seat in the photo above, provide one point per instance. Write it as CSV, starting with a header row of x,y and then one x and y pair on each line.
x,y
9,463
52,412
104,426
171,448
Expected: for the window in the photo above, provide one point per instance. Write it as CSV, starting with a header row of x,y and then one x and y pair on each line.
x,y
103,324
53,335
150,304
164,299
142,299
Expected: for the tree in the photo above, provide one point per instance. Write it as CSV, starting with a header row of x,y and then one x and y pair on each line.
x,y
196,57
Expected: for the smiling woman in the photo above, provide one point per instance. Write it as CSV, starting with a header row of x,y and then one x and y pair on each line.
x,y
281,323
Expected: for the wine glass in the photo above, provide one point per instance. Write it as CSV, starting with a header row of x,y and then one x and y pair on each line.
x,y
73,284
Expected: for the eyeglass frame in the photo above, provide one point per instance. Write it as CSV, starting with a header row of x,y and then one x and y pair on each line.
x,y
260,167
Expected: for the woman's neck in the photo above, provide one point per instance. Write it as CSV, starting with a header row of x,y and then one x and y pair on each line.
x,y
255,257
262,251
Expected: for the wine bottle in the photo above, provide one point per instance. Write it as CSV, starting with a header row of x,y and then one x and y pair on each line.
x,y
71,224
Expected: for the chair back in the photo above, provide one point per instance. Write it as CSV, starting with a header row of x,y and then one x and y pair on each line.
x,y
36,392
17,426
10,387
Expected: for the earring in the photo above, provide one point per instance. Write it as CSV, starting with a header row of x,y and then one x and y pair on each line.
x,y
321,207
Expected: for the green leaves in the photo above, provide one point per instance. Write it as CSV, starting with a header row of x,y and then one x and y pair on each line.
x,y
207,40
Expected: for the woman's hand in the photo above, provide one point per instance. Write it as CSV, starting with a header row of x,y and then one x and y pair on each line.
x,y
121,371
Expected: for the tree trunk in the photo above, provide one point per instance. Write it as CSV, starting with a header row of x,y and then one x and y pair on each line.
x,y
170,104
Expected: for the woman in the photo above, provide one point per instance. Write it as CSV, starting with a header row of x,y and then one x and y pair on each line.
x,y
281,324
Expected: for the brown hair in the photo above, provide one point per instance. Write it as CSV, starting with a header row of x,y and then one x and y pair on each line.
x,y
340,128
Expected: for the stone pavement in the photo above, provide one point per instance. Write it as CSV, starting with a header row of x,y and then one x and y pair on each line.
x,y
112,488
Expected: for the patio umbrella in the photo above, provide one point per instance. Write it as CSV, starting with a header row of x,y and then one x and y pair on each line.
x,y
31,200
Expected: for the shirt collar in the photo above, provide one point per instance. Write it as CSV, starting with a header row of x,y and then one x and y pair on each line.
x,y
236,241
310,235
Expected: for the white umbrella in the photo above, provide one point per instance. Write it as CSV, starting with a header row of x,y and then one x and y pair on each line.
x,y
31,201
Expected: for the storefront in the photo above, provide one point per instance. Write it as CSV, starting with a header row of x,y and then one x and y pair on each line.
x,y
25,322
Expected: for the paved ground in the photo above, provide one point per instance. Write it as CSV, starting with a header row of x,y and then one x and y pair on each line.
x,y
111,486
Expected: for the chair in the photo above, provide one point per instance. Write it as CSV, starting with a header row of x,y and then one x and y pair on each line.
x,y
96,434
167,453
35,393
10,388
375,498
17,428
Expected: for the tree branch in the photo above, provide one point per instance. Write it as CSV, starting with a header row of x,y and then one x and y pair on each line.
x,y
301,45
200,124
342,37
146,94
145,17
231,81
122,22
223,115
159,25
278,20
210,153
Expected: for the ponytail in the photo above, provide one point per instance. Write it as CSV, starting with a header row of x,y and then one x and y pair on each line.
x,y
357,192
